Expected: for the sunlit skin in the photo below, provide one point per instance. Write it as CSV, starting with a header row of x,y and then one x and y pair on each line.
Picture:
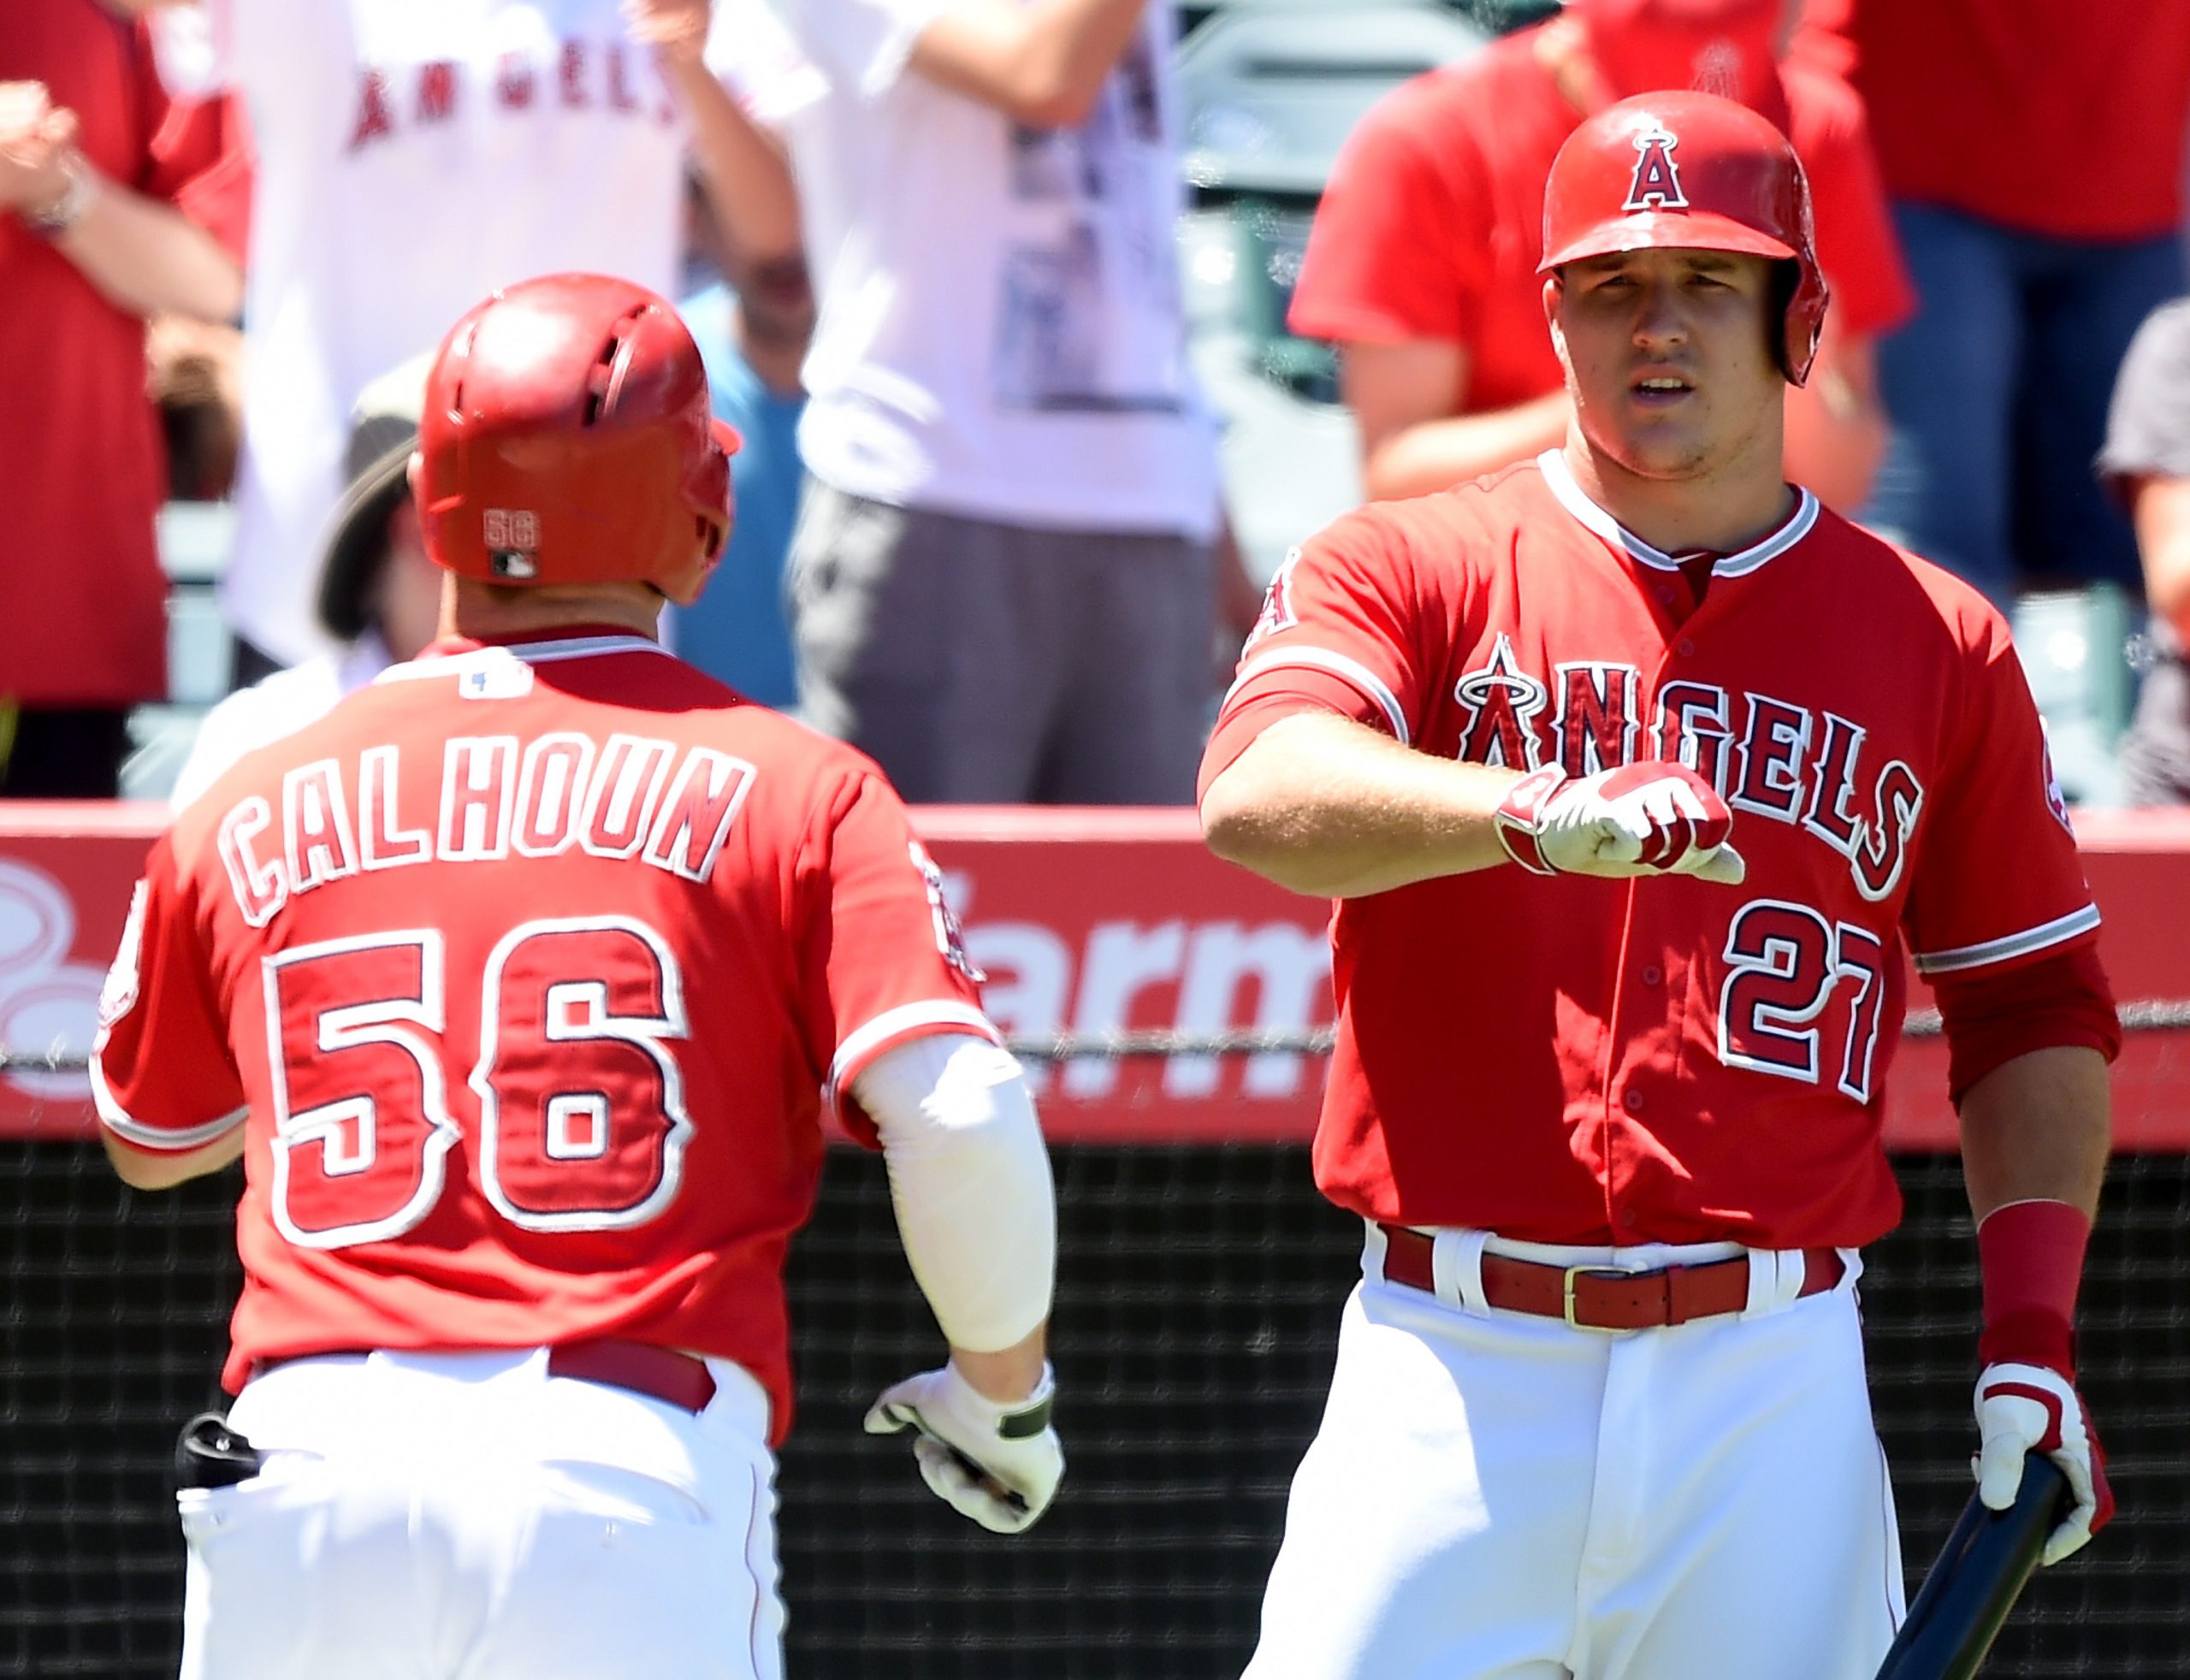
x,y
1679,417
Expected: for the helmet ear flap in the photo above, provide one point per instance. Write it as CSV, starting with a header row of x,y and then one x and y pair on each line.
x,y
1779,326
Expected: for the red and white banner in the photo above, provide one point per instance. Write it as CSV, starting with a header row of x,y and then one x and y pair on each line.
x,y
1088,921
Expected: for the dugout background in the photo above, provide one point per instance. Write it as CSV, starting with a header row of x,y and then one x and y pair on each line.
x,y
1193,1341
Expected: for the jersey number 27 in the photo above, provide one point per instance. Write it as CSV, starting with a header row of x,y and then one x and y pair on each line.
x,y
582,1121
1786,967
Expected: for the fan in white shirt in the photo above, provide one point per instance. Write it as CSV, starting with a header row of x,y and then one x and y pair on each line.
x,y
412,156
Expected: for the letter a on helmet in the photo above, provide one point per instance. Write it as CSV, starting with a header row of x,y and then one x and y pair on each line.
x,y
1693,172
1656,185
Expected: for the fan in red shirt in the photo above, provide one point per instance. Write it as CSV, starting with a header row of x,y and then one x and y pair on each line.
x,y
1422,264
1639,775
523,983
2033,151
104,201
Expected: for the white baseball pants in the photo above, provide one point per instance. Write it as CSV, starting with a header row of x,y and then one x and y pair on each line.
x,y
1496,1496
467,1516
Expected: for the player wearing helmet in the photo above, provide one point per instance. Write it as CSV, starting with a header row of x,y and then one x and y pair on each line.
x,y
524,983
1612,1116
1422,264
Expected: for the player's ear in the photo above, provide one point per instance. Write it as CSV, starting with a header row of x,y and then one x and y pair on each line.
x,y
1553,290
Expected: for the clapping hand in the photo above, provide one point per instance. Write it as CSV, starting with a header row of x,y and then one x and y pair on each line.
x,y
674,28
35,139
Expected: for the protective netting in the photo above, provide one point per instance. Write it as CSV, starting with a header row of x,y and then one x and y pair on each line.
x,y
1194,1339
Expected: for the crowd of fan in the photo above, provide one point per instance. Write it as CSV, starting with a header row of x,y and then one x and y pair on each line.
x,y
980,530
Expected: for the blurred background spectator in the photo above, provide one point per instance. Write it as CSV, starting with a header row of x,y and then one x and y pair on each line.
x,y
752,321
2146,462
463,129
100,175
410,159
195,368
1422,264
1002,578
377,596
2033,150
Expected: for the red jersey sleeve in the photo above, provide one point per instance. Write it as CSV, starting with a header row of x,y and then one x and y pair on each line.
x,y
204,150
197,158
163,1075
1400,246
881,958
1998,880
1856,245
1342,630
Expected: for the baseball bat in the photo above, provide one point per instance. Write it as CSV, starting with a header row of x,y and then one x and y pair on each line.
x,y
1973,1584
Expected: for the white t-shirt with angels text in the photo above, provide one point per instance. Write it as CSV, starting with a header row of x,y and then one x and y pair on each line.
x,y
412,156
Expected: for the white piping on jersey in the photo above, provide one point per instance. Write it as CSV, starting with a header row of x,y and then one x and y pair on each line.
x,y
2009,944
862,1042
119,1122
532,653
1556,474
1337,665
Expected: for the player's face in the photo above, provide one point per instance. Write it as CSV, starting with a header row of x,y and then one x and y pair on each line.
x,y
1668,357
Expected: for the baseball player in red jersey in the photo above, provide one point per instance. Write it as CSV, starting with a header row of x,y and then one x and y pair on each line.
x,y
522,983
1634,771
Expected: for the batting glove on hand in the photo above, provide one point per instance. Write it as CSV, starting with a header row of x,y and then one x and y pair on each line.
x,y
997,1463
2023,1409
1650,818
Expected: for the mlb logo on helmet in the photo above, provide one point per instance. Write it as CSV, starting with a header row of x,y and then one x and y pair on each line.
x,y
1656,183
513,538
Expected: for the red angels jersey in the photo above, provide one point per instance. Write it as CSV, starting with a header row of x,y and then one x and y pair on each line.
x,y
1572,1060
527,973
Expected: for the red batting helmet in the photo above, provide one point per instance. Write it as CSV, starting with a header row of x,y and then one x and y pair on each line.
x,y
1696,172
566,439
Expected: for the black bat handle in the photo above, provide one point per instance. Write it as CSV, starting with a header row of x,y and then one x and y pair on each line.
x,y
1966,1598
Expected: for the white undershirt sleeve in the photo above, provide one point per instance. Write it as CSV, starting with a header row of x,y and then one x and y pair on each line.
x,y
970,1177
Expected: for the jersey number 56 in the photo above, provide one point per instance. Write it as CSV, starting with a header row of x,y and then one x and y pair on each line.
x,y
582,1121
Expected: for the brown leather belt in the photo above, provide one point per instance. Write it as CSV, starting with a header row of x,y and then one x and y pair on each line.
x,y
659,1373
1603,1298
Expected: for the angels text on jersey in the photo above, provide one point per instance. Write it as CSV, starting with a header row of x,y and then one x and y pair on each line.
x,y
1768,757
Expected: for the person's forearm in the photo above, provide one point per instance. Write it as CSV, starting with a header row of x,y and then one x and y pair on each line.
x,y
2159,506
1043,65
1327,807
1008,1374
1836,438
1436,454
145,256
2038,1129
747,179
154,1170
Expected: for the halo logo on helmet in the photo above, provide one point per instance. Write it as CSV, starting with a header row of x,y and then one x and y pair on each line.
x,y
1737,187
1656,185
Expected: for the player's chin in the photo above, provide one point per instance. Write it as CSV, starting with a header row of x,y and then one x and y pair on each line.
x,y
1662,446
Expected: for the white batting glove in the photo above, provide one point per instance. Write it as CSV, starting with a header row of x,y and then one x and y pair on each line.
x,y
1655,818
2024,1409
999,1464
